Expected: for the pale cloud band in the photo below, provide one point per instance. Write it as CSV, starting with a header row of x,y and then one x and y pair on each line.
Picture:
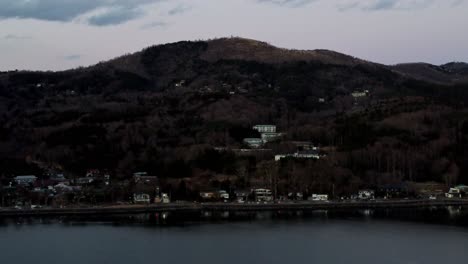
x,y
369,5
114,12
111,11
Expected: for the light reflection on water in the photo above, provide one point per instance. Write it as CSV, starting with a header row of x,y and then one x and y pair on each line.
x,y
390,236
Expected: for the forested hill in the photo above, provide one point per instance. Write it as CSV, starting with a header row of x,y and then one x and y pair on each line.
x,y
163,110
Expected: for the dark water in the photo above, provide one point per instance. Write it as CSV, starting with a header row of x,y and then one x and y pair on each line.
x,y
438,235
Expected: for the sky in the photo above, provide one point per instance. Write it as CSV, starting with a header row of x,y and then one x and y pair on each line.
x,y
64,34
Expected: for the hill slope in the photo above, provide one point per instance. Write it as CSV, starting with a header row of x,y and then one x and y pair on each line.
x,y
164,109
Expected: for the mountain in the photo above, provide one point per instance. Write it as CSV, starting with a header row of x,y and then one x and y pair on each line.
x,y
165,108
450,73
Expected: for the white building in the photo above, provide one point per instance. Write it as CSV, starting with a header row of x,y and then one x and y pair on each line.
x,y
253,142
263,195
269,137
305,154
366,194
265,128
318,197
358,94
141,198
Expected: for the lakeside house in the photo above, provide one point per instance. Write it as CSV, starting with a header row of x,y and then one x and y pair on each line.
x,y
25,179
144,178
214,195
366,194
141,198
242,196
318,197
163,198
459,191
263,195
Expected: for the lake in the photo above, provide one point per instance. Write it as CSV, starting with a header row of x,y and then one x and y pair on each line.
x,y
434,235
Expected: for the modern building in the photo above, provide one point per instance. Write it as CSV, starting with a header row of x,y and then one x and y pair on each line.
x,y
359,94
265,128
253,142
263,195
303,154
269,137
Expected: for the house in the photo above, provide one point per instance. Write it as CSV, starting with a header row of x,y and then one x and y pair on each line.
x,y
25,179
223,195
208,195
141,198
429,189
144,178
397,190
360,94
253,142
303,154
269,137
242,196
318,197
304,145
58,177
307,154
366,194
457,192
84,181
263,195
265,128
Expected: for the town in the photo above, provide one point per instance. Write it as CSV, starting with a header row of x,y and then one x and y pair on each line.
x,y
54,189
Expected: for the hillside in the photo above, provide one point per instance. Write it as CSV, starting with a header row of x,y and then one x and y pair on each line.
x,y
450,73
165,109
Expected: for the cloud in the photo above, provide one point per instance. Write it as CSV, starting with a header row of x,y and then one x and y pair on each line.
x,y
117,11
288,3
114,16
15,37
155,24
382,5
72,57
179,10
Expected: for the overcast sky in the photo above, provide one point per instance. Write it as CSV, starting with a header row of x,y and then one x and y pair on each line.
x,y
62,34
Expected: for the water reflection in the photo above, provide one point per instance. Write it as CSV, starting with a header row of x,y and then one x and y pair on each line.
x,y
451,215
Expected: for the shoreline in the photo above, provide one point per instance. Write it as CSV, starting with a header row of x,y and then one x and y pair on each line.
x,y
191,207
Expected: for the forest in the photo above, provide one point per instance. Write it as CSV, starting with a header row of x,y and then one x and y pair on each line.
x,y
169,109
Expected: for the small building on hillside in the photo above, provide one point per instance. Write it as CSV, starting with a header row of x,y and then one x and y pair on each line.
x,y
253,142
84,181
270,137
265,128
303,154
25,179
360,94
